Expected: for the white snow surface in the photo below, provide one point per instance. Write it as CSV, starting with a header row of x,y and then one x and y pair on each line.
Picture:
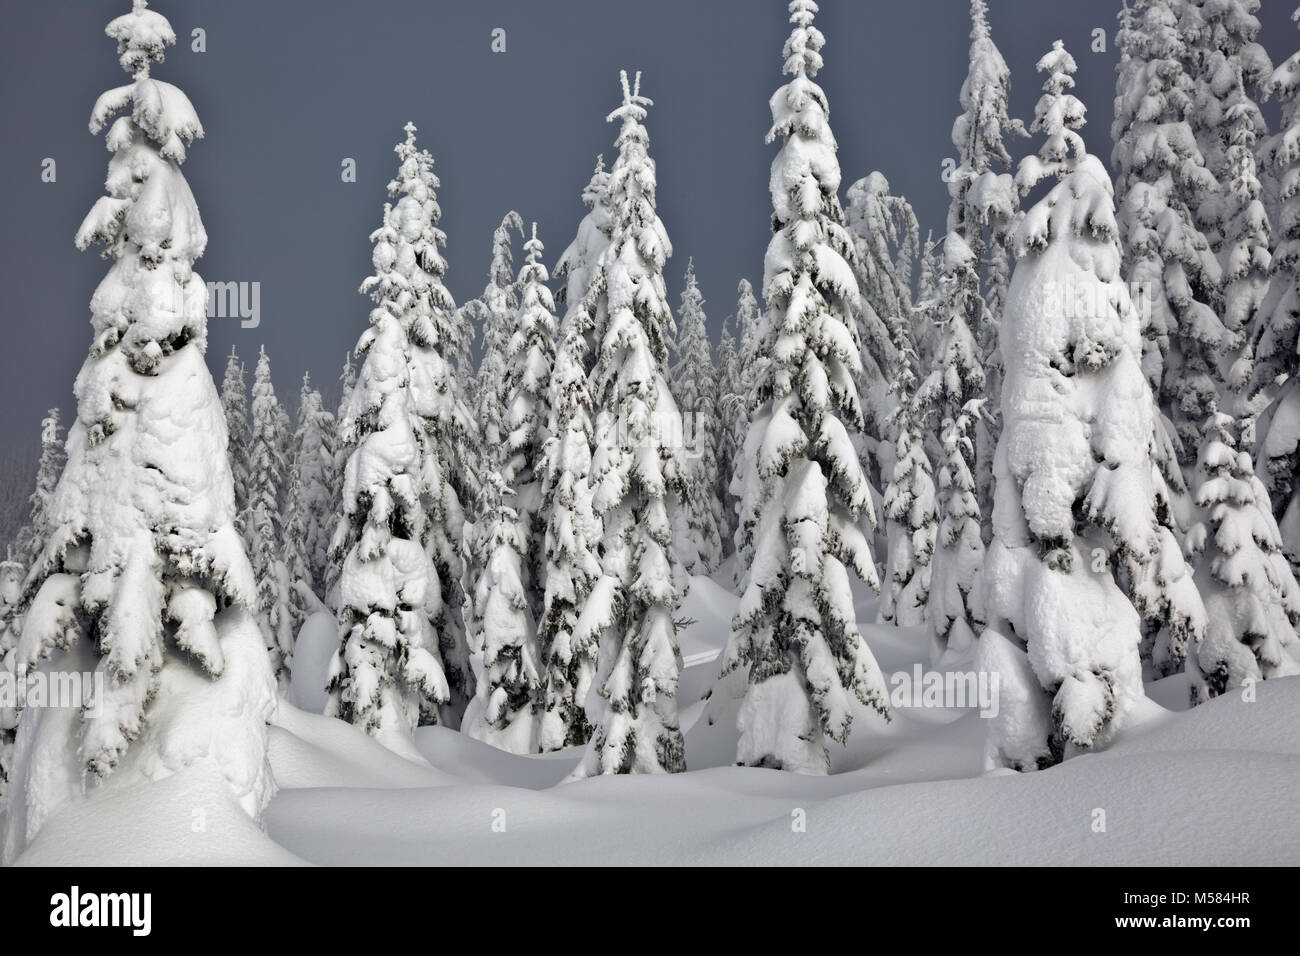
x,y
910,792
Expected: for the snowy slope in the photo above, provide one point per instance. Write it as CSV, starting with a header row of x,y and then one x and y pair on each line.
x,y
910,792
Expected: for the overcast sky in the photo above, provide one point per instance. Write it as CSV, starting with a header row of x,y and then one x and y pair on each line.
x,y
287,89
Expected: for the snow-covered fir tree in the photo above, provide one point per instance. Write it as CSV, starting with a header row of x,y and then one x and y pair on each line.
x,y
315,454
509,592
263,524
530,359
753,361
402,654
343,445
11,590
1229,68
495,312
806,510
502,631
234,403
984,209
696,533
637,476
733,417
31,538
1083,547
1251,597
143,576
886,240
573,530
909,497
309,515
952,396
1160,179
1275,341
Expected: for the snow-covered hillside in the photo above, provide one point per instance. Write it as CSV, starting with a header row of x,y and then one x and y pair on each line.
x,y
911,792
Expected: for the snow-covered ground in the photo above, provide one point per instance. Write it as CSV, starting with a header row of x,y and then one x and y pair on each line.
x,y
1211,786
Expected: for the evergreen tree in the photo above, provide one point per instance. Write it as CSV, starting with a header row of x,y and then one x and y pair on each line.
x,y
733,416
637,476
984,210
11,589
509,593
264,522
953,395
573,530
343,446
144,577
495,312
1083,547
1252,600
753,361
402,653
1276,337
32,536
314,456
909,499
234,403
1160,177
696,532
803,513
886,240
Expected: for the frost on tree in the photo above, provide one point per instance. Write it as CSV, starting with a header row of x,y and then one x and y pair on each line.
x,y
143,576
263,524
808,508
1252,600
909,497
343,445
509,591
984,211
11,591
749,325
1276,339
696,533
636,475
1160,177
733,416
314,454
495,312
31,537
573,530
1082,549
886,240
952,397
234,403
402,652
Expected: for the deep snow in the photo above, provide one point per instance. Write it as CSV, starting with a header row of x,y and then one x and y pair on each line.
x,y
1210,787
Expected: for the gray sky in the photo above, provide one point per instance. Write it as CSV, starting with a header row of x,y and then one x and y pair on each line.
x,y
288,88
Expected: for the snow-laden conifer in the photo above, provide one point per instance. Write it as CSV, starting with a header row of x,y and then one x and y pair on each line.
x,y
1083,548
402,650
808,507
636,474
143,576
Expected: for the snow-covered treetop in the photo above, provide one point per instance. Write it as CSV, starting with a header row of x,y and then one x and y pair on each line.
x,y
161,111
576,262
803,48
501,273
1058,114
142,37
631,198
408,264
978,132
